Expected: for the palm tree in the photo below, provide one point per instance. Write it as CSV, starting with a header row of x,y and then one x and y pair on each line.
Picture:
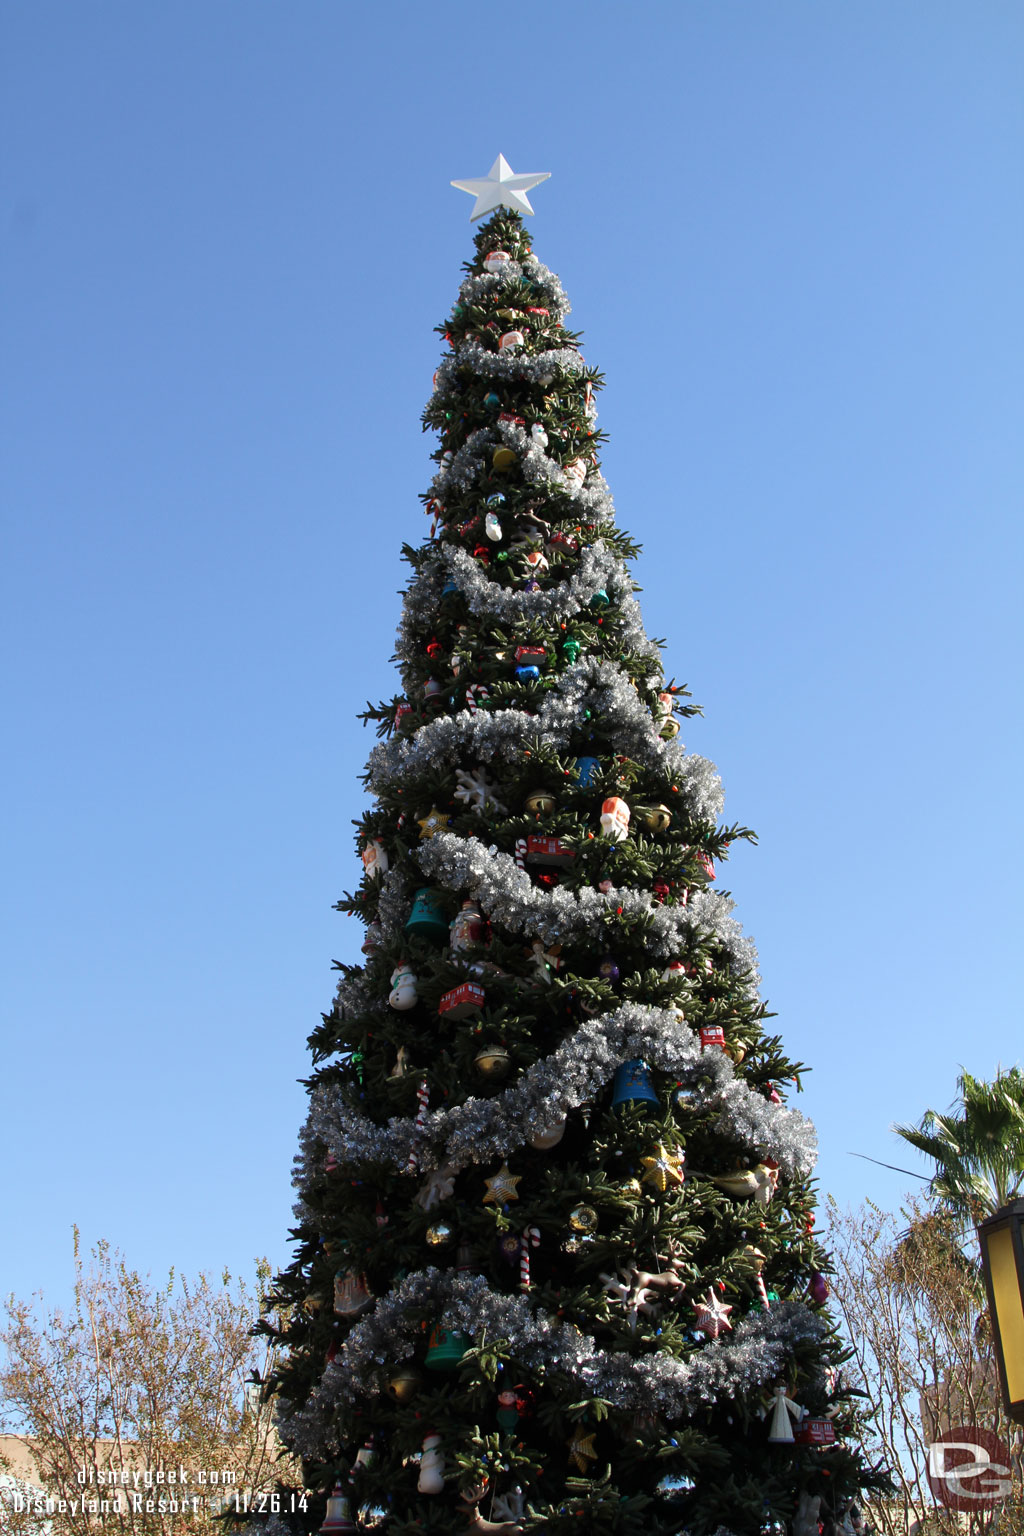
x,y
978,1154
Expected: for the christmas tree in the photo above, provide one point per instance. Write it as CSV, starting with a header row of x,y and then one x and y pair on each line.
x,y
555,1259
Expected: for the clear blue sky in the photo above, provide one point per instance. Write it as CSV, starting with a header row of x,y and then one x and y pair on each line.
x,y
793,237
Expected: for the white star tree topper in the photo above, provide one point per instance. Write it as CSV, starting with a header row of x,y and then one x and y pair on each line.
x,y
501,188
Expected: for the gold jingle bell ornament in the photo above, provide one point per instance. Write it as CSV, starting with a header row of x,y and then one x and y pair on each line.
x,y
492,1061
404,1384
658,818
540,802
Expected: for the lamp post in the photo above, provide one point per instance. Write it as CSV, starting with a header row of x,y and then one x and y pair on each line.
x,y
1002,1258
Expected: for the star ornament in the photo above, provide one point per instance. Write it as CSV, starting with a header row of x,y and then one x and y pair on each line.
x,y
437,821
582,1450
502,1186
712,1316
663,1168
501,188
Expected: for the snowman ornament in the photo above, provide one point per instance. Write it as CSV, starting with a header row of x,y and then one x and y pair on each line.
x,y
431,1478
403,988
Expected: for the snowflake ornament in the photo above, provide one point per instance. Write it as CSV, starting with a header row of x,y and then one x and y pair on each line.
x,y
476,791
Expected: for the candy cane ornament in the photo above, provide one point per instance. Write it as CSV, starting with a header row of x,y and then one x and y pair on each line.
x,y
761,1291
520,853
423,1099
530,1239
475,692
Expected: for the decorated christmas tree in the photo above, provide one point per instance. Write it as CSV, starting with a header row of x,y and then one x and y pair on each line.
x,y
555,1263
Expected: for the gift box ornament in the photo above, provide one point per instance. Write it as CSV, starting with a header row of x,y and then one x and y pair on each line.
x,y
531,656
632,1085
445,1349
427,919
462,1001
549,851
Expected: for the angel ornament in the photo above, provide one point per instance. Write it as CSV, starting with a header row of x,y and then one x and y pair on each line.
x,y
440,1185
784,1413
545,961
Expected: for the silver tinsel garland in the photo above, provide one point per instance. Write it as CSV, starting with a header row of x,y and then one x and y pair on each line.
x,y
480,1130
757,1350
508,896
453,740
485,599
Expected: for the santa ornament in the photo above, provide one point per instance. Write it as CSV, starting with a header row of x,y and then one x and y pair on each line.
x,y
615,819
375,860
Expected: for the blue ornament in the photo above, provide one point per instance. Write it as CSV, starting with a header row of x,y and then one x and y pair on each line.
x,y
447,591
608,970
632,1085
491,401
427,919
496,500
586,768
527,674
